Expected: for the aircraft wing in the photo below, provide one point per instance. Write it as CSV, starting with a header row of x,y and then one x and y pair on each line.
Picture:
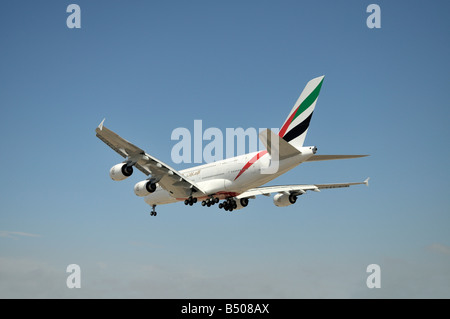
x,y
167,177
294,189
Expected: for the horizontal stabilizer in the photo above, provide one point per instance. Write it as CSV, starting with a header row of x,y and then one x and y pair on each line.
x,y
277,146
332,157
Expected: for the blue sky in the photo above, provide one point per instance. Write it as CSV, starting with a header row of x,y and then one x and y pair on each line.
x,y
150,67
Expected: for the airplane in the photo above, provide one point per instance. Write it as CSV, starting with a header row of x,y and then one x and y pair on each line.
x,y
233,180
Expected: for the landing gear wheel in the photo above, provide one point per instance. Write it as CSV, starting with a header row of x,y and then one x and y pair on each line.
x,y
153,212
190,201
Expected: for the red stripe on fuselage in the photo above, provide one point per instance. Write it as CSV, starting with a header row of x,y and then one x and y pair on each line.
x,y
251,162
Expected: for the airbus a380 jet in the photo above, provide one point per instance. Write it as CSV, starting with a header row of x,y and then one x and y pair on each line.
x,y
233,180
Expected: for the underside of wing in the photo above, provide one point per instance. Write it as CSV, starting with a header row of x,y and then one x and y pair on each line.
x,y
169,179
117,143
294,189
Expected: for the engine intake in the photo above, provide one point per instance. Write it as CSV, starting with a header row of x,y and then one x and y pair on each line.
x,y
120,172
144,188
241,203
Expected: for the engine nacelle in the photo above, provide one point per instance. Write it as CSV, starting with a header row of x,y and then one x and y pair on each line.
x,y
241,203
282,200
120,171
144,188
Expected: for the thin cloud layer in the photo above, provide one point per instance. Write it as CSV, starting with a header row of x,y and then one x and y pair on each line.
x,y
440,249
16,234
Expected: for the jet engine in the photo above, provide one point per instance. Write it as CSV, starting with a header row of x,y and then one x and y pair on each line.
x,y
282,200
144,188
120,171
241,203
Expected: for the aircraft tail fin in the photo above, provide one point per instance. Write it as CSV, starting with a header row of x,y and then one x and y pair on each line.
x,y
296,125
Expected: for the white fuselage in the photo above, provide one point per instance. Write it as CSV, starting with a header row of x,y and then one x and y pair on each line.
x,y
233,176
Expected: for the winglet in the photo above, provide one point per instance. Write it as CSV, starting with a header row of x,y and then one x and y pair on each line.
x,y
100,127
366,182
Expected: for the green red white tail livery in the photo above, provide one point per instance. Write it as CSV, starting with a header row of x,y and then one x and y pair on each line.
x,y
296,125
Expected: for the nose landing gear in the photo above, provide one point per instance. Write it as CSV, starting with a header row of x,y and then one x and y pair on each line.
x,y
153,212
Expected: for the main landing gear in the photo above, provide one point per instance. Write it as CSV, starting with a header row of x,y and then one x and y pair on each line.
x,y
210,201
153,212
190,201
228,204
